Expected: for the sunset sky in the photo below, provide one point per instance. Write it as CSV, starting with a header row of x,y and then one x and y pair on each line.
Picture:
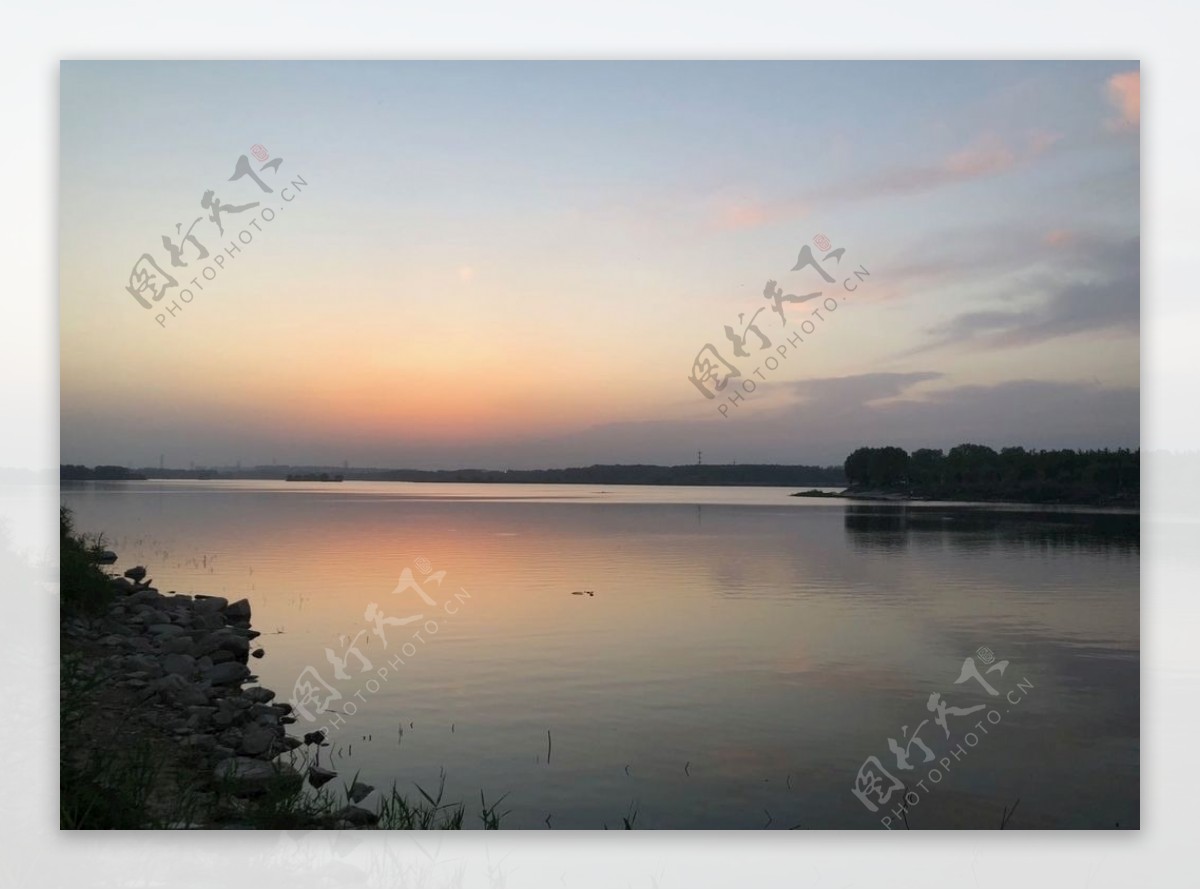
x,y
515,264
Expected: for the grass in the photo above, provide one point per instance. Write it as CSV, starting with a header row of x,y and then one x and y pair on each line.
x,y
83,587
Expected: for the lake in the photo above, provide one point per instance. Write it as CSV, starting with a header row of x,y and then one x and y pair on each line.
x,y
678,657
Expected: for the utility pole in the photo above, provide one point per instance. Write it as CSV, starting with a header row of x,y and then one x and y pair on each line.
x,y
699,458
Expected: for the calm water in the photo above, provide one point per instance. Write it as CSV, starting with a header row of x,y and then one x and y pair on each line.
x,y
744,652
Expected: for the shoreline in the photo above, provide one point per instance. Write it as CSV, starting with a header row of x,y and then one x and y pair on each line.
x,y
876,495
169,676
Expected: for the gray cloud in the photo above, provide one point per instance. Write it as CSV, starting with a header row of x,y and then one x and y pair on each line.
x,y
1097,290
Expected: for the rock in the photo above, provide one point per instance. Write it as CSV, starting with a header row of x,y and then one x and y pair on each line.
x,y
192,697
314,738
239,611
258,695
224,640
170,686
178,645
134,663
137,573
359,790
228,674
175,663
123,585
106,557
210,621
166,630
202,741
257,740
247,776
258,653
206,604
143,597
356,816
318,776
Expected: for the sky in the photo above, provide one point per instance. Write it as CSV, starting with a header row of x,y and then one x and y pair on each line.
x,y
520,265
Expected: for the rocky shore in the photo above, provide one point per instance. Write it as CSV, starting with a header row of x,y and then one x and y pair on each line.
x,y
176,669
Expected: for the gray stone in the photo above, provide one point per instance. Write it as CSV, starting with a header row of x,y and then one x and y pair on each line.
x,y
178,645
137,573
166,630
258,740
239,611
213,621
258,653
175,663
247,776
318,776
224,640
170,685
359,790
228,674
143,597
192,696
206,604
258,694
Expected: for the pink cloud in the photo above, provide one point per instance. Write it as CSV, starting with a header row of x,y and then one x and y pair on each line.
x,y
1058,238
1125,93
752,213
986,158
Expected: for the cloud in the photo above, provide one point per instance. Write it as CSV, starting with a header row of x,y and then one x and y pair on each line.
x,y
820,420
830,417
1124,91
987,157
860,389
1097,289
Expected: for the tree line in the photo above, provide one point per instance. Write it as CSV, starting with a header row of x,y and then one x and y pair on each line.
x,y
982,473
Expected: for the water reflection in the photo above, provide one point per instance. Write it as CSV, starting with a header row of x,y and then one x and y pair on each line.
x,y
897,526
768,643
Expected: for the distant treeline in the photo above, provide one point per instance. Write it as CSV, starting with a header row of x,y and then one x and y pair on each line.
x,y
78,471
977,472
639,474
600,474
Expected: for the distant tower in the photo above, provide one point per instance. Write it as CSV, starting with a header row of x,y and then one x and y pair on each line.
x,y
699,458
